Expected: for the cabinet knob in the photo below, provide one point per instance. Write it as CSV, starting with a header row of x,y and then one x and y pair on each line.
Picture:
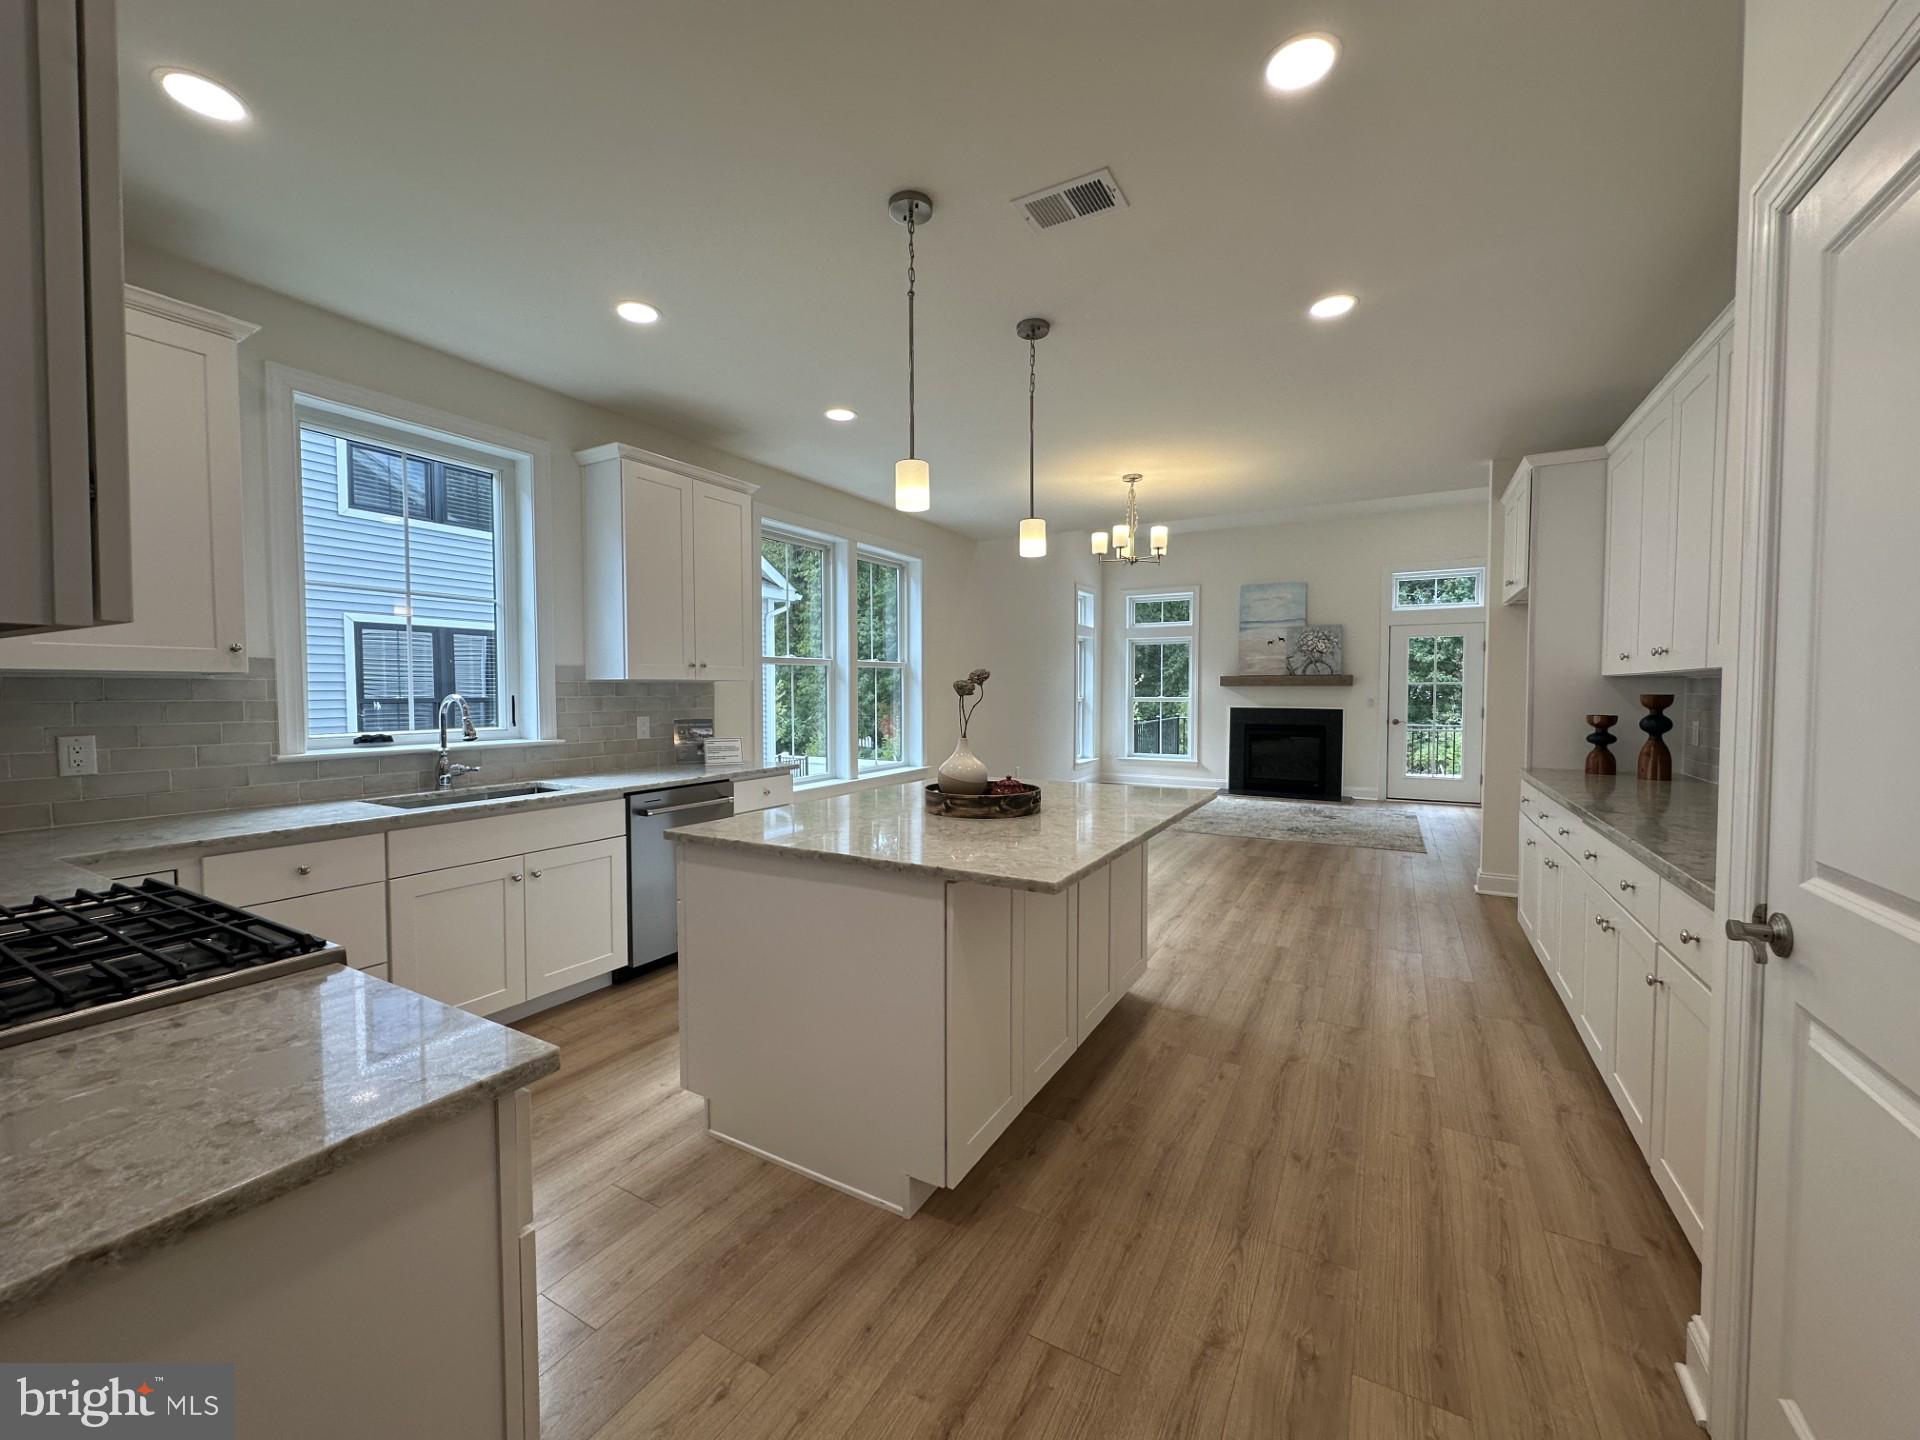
x,y
303,869
1626,885
516,877
1655,980
1625,656
235,648
1687,937
703,664
1566,832
1590,854
1529,844
536,874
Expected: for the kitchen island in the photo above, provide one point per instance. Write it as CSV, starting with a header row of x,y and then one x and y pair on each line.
x,y
870,994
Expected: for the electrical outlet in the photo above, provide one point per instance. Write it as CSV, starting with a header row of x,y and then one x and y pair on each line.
x,y
77,755
642,727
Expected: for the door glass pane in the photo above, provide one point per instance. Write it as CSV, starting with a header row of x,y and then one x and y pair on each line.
x,y
1435,706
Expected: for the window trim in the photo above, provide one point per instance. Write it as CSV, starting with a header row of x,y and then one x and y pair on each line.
x,y
909,746
1157,632
1441,572
523,553
1086,688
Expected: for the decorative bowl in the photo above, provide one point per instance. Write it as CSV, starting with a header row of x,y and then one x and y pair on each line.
x,y
984,807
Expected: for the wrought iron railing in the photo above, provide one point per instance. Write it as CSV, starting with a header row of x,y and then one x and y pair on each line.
x,y
1433,750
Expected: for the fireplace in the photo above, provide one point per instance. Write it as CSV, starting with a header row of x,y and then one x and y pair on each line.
x,y
1277,751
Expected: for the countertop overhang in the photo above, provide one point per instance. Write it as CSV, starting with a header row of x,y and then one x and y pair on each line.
x,y
1670,826
1081,825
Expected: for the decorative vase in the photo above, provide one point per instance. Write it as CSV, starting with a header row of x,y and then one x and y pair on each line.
x,y
1656,761
1600,758
963,772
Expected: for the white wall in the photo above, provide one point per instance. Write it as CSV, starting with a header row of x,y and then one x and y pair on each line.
x,y
1504,750
1345,557
324,343
1020,619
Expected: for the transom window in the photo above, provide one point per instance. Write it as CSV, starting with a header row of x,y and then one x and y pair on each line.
x,y
880,658
1160,696
1439,589
795,627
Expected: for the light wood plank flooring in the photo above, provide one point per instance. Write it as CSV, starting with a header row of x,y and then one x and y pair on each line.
x,y
1338,1167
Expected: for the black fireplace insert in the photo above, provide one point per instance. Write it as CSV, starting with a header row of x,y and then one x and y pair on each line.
x,y
1272,750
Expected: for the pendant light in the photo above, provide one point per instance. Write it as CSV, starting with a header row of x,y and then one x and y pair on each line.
x,y
912,477
1033,530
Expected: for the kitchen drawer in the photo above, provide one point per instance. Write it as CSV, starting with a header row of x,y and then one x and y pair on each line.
x,y
167,877
1631,885
467,842
1686,928
250,878
354,919
762,794
1590,852
1563,829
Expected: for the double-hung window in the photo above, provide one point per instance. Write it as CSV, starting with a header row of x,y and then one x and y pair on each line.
x,y
1086,677
404,583
1160,698
881,596
796,631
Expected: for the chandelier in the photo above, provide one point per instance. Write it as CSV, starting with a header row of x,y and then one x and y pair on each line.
x,y
1121,547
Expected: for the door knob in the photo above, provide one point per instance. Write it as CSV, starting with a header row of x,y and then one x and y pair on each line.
x,y
1396,720
1764,932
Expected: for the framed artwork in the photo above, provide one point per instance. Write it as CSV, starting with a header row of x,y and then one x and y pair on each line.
x,y
1315,649
1267,612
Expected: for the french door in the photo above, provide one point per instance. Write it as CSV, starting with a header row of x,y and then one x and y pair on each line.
x,y
1436,673
1836,1254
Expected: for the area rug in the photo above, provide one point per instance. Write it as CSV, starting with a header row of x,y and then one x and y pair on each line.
x,y
1366,827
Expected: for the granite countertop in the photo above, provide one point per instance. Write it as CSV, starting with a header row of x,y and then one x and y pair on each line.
x,y
119,1138
1081,825
59,861
1670,826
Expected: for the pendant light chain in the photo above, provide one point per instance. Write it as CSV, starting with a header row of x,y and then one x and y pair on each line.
x,y
912,452
1033,363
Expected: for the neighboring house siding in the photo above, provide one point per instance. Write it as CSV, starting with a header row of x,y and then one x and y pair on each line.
x,y
357,564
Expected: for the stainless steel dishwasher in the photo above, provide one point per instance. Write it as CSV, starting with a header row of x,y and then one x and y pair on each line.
x,y
652,923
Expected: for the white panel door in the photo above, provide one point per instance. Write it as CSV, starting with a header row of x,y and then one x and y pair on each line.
x,y
1620,630
722,560
576,914
459,935
1836,1282
1677,1142
1696,487
1434,699
658,514
1655,628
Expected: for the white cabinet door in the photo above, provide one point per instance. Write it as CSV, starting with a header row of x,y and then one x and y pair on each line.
x,y
1601,924
1529,875
576,914
1655,629
723,560
1094,990
1697,432
1620,629
355,919
1630,1077
1046,949
1570,939
1678,1143
459,935
1516,510
985,1075
1127,918
657,518
1546,921
183,431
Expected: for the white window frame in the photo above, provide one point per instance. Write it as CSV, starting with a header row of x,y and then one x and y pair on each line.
x,y
1478,572
1157,632
296,398
846,548
830,634
909,740
1086,676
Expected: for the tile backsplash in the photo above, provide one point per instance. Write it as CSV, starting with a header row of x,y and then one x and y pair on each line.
x,y
1698,728
176,745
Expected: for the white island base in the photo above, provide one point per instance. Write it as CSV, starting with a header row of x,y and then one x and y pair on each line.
x,y
878,1030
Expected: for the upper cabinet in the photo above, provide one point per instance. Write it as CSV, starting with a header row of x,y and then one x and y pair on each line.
x,y
64,529
183,437
670,569
1666,496
1516,530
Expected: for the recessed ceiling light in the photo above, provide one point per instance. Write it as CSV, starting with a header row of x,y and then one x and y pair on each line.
x,y
202,96
1331,307
636,312
841,414
1302,62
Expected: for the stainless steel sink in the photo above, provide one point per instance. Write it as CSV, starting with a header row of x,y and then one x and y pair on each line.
x,y
465,796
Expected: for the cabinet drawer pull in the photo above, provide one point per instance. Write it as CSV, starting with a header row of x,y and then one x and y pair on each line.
x,y
1566,832
1590,854
1625,656
535,874
1687,937
516,877
303,869
1655,980
1626,885
235,648
1529,844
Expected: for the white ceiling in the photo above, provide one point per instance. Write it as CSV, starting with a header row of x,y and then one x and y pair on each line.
x,y
1534,203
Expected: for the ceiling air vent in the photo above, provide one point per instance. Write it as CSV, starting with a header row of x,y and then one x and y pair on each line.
x,y
1073,200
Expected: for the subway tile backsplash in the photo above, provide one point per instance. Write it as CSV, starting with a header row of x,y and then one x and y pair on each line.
x,y
1698,729
181,745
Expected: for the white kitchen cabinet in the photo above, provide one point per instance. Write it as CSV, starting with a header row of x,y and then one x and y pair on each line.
x,y
354,919
763,793
1629,1073
1678,1139
1601,923
64,527
576,903
1093,953
671,569
183,434
1047,979
1666,507
1530,856
1516,530
459,936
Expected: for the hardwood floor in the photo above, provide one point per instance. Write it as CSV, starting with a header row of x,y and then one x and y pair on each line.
x,y
1338,1167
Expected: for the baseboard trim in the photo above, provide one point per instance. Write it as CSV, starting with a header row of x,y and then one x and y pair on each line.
x,y
1693,1371
1361,792
1488,882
